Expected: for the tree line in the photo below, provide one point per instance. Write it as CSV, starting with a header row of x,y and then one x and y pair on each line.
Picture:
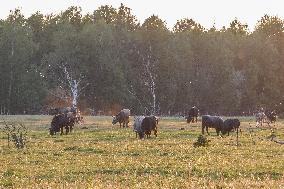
x,y
108,60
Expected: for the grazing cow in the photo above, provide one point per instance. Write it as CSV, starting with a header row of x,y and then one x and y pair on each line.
x,y
212,122
122,117
61,121
230,125
65,117
271,116
148,125
137,126
192,115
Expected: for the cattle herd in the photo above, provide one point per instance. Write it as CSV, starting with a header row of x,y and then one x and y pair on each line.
x,y
64,118
143,126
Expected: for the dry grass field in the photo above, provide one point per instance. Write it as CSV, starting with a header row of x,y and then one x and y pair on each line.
x,y
99,155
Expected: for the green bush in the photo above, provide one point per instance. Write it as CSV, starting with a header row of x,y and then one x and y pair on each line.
x,y
201,141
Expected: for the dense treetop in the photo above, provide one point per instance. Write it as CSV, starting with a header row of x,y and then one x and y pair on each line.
x,y
118,62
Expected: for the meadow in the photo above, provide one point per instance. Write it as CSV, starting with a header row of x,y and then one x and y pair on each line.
x,y
100,155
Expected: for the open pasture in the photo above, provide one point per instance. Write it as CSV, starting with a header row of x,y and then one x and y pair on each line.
x,y
99,155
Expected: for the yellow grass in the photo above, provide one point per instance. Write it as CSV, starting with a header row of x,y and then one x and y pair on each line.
x,y
99,155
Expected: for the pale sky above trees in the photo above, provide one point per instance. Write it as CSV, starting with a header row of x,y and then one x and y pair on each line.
x,y
205,12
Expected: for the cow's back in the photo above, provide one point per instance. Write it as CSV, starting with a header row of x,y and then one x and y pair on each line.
x,y
212,121
230,124
206,121
123,115
125,112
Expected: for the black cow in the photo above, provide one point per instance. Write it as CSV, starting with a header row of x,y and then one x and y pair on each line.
x,y
230,125
122,117
192,115
212,122
271,116
61,121
148,125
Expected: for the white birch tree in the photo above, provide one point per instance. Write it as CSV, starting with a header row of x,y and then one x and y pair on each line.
x,y
147,78
150,81
64,67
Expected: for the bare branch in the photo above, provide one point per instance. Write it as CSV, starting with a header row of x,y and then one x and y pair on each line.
x,y
138,99
59,97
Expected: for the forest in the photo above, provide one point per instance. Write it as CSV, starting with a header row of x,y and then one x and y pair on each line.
x,y
107,60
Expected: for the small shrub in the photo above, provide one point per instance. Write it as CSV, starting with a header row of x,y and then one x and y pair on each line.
x,y
16,133
201,141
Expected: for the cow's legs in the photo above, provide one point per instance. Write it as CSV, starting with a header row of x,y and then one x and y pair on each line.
x,y
66,130
141,135
61,130
217,131
148,134
202,129
207,130
155,132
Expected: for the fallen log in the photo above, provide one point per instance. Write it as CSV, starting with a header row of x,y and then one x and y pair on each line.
x,y
278,141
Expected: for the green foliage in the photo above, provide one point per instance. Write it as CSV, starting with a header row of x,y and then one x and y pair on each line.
x,y
270,26
154,23
231,70
187,25
201,141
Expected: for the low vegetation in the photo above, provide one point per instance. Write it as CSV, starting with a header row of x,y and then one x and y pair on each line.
x,y
99,155
201,141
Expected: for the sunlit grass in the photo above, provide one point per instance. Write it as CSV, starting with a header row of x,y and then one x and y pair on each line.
x,y
99,155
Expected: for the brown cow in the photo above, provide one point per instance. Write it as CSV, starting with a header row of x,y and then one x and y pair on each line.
x,y
122,117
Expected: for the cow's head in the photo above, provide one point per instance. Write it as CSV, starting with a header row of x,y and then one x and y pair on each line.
x,y
141,135
115,119
51,131
157,120
54,127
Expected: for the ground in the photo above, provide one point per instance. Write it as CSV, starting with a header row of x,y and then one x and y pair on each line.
x,y
99,155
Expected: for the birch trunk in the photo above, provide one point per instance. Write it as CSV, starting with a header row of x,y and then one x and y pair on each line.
x,y
152,86
74,86
10,78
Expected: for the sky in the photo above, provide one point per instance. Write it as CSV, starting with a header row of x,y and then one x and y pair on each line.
x,y
206,12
